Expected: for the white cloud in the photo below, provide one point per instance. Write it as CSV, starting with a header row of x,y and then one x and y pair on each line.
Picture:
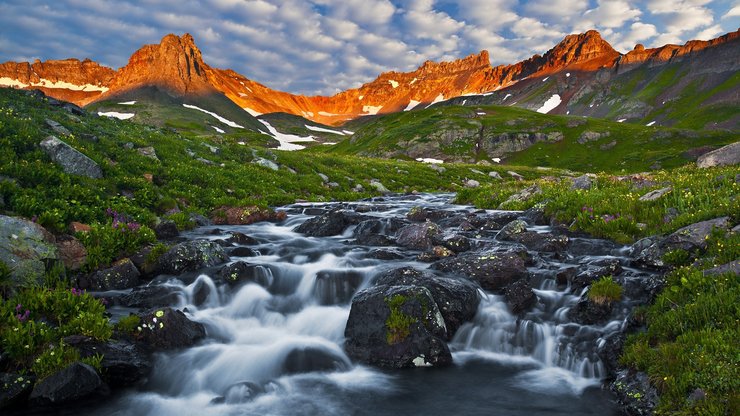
x,y
638,33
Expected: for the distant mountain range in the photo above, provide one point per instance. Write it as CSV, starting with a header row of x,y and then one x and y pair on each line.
x,y
695,85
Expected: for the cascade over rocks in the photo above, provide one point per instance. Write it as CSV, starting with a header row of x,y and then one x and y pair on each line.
x,y
331,223
396,327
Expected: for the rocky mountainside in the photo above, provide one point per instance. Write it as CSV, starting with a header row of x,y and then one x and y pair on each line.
x,y
574,77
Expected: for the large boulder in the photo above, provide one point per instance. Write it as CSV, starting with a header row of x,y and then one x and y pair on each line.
x,y
519,296
14,389
636,395
419,236
167,329
493,271
123,364
331,223
692,238
396,327
147,297
26,248
74,382
191,256
724,156
123,274
70,160
457,299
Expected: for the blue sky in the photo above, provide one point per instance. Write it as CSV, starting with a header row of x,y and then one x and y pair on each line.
x,y
323,46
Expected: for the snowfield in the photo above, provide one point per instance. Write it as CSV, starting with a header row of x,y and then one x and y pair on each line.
x,y
550,104
286,140
216,116
116,114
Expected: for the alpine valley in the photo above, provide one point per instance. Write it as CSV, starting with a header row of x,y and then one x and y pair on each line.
x,y
557,236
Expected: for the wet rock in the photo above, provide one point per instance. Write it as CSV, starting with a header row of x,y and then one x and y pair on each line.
x,y
25,247
419,236
396,327
246,215
200,220
375,232
592,274
512,228
692,239
420,214
336,287
493,271
74,382
243,392
147,297
240,272
385,254
610,351
635,394
331,223
566,275
519,296
167,329
535,216
587,312
191,256
724,156
70,160
242,239
14,389
542,242
244,252
71,252
121,275
309,359
457,299
655,194
494,221
457,243
524,195
123,364
145,262
166,230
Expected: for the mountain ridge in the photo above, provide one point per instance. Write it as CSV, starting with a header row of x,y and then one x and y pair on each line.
x,y
176,66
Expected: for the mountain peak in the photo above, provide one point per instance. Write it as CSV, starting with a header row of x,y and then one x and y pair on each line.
x,y
580,48
174,65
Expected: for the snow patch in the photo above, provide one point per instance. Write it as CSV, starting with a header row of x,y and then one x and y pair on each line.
x,y
328,143
650,123
550,104
348,132
429,160
393,83
464,101
10,82
324,130
286,140
412,104
567,74
360,97
252,112
325,114
507,96
481,114
128,103
412,81
546,78
216,116
496,160
438,99
371,109
218,129
116,114
621,120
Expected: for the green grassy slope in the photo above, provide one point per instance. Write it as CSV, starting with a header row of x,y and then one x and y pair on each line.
x,y
457,133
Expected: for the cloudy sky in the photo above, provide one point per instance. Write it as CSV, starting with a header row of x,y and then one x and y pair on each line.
x,y
323,46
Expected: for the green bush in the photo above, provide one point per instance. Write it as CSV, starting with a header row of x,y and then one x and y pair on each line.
x,y
128,324
398,324
604,291
108,242
59,356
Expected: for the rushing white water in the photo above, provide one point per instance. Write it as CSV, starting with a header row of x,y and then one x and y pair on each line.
x,y
277,348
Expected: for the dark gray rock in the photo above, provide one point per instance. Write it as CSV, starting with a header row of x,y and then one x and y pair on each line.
x,y
336,287
74,382
542,242
385,254
724,156
331,223
457,299
167,329
396,327
583,182
26,248
511,229
731,267
241,272
147,297
692,238
14,389
524,195
242,239
656,194
493,271
123,274
124,364
635,394
587,312
70,160
57,128
244,252
148,152
166,230
519,296
309,359
419,236
191,256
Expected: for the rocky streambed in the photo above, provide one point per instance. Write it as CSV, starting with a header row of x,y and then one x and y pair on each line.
x,y
397,305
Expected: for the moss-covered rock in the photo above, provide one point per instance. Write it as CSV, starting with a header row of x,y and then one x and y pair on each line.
x,y
25,248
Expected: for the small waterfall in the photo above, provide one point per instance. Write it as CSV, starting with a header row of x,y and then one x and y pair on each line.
x,y
275,343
